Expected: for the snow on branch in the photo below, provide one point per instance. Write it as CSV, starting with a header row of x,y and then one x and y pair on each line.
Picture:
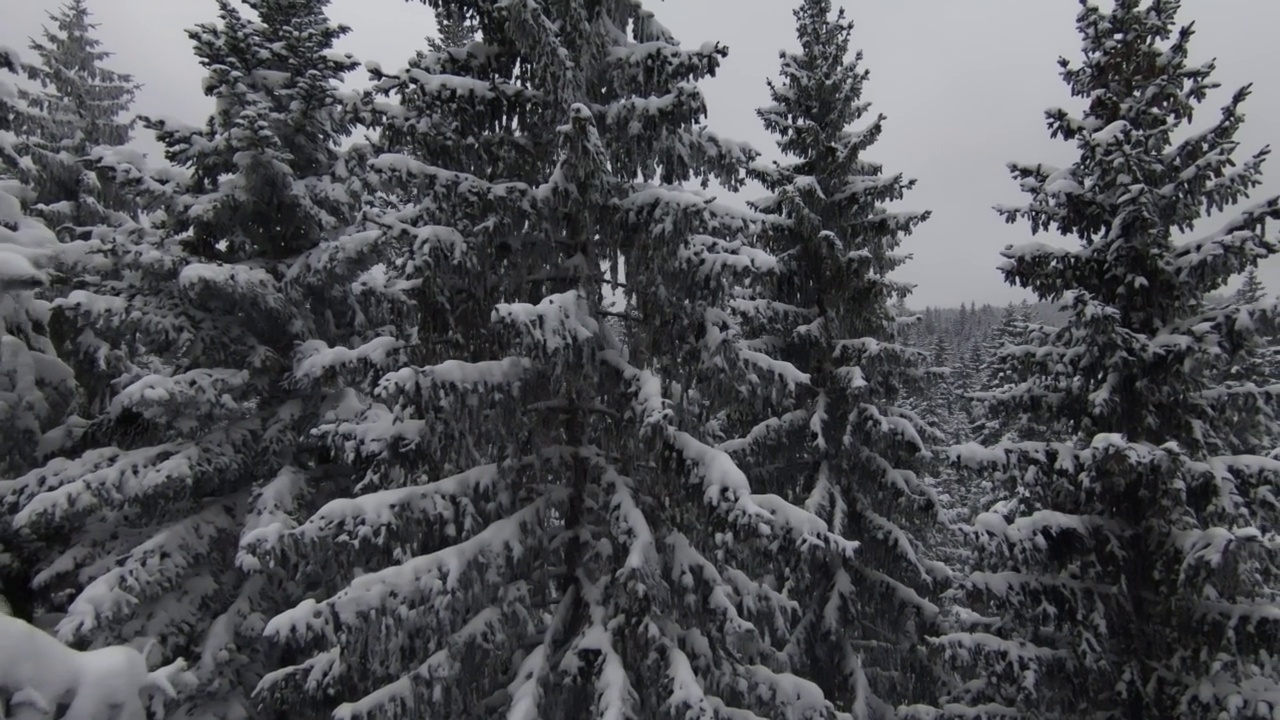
x,y
456,374
207,391
712,256
1231,249
463,185
368,517
554,324
314,359
271,515
769,430
150,569
417,581
781,369
725,486
67,488
338,257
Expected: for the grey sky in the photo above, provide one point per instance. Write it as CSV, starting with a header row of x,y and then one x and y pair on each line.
x,y
963,84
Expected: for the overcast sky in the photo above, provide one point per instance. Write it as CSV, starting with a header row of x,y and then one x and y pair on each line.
x,y
964,86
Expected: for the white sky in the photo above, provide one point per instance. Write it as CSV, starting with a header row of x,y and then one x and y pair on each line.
x,y
964,86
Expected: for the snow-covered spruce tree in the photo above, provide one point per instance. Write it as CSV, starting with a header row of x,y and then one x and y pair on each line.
x,y
1261,365
194,333
937,400
1131,570
1251,425
837,440
453,30
79,104
1004,368
36,388
1251,290
538,533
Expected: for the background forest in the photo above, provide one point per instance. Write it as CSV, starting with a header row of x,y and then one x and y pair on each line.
x,y
462,396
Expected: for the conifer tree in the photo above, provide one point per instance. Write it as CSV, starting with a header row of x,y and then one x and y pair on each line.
x,y
837,440
937,399
1251,290
539,530
36,388
79,104
1131,570
1004,370
197,334
1254,377
453,30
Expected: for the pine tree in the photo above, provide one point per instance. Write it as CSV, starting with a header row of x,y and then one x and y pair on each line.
x,y
1005,368
937,400
36,388
967,377
1132,569
199,334
539,531
453,30
1251,290
80,105
1254,376
838,440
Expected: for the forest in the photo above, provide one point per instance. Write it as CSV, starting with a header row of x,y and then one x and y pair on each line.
x,y
461,395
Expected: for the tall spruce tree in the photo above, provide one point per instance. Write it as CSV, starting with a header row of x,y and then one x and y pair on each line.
x,y
1131,570
195,333
837,439
540,532
36,388
79,105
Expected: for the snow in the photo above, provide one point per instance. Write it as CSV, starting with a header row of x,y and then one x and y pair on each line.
x,y
412,582
271,517
229,277
555,323
25,243
208,386
1108,134
364,516
456,374
148,570
91,683
1210,545
631,522
314,358
17,273
784,370
525,690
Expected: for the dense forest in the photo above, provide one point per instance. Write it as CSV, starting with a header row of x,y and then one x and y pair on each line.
x,y
460,396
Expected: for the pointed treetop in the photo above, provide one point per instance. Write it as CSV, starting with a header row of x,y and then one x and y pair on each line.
x,y
819,81
81,100
453,30
1251,289
1136,186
